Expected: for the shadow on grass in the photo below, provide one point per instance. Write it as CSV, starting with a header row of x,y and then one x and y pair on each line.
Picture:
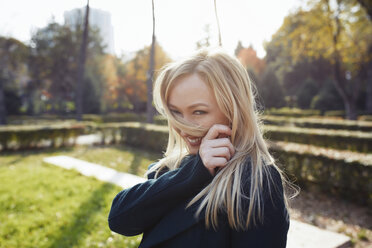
x,y
35,151
22,154
82,221
136,163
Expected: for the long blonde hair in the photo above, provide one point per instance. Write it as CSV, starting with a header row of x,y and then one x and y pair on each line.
x,y
232,88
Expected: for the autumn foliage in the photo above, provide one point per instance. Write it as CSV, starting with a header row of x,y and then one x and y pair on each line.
x,y
125,85
248,58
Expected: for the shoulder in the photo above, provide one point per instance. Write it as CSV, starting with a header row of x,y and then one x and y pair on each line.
x,y
153,168
151,165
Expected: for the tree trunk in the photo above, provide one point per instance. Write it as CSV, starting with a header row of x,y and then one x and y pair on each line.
x,y
3,120
349,98
369,84
149,108
218,24
350,109
81,67
30,99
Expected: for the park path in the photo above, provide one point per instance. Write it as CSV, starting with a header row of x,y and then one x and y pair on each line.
x,y
300,235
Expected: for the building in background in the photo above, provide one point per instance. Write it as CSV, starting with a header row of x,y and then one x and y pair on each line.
x,y
97,18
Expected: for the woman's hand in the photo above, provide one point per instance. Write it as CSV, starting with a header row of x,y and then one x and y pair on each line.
x,y
214,151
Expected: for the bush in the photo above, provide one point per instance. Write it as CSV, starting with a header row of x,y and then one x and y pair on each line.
x,y
147,136
335,113
338,176
306,92
328,98
337,139
322,123
350,179
13,102
270,92
29,137
292,112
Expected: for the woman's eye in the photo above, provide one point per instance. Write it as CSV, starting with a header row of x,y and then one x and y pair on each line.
x,y
199,112
175,112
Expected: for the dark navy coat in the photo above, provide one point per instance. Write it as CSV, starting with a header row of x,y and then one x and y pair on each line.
x,y
156,208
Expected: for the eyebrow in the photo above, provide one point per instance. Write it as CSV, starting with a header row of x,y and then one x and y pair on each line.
x,y
191,106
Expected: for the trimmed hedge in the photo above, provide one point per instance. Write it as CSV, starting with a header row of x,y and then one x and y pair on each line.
x,y
297,112
337,139
339,176
365,118
29,137
108,118
35,136
335,113
351,179
292,112
322,123
147,136
23,137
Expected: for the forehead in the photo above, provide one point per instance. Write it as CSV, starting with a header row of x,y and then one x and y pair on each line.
x,y
188,90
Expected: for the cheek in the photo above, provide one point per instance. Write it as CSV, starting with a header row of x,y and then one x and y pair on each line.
x,y
219,118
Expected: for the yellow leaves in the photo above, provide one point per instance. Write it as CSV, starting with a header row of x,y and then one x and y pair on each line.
x,y
137,70
311,33
109,71
138,67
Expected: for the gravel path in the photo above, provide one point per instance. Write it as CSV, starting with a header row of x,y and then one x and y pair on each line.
x,y
334,214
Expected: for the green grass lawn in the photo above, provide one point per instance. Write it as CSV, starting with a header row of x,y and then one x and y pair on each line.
x,y
121,158
46,206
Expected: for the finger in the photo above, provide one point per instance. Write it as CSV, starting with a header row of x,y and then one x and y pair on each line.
x,y
216,162
221,152
222,135
224,142
216,130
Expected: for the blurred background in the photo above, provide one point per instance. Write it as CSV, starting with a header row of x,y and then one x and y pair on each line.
x,y
76,80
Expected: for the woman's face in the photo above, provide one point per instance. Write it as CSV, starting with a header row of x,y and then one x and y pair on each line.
x,y
191,99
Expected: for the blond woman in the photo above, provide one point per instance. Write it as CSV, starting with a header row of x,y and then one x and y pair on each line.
x,y
217,185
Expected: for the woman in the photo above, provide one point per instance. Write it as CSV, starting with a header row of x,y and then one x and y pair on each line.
x,y
217,185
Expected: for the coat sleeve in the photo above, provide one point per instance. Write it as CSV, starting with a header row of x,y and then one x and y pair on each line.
x,y
140,207
273,232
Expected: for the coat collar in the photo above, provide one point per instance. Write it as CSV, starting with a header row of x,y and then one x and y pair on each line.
x,y
178,220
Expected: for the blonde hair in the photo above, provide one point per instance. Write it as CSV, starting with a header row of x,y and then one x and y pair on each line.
x,y
232,88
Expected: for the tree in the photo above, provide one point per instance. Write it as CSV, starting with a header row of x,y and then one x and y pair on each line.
x,y
111,77
137,71
339,33
315,70
205,41
327,98
150,109
81,67
218,24
248,58
238,48
13,59
54,61
367,5
306,93
269,90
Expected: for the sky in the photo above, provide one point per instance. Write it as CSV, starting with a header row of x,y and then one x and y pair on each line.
x,y
179,23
